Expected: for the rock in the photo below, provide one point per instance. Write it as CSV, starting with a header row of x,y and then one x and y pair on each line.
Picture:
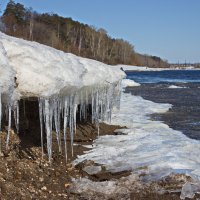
x,y
44,188
92,169
121,132
57,173
67,185
41,179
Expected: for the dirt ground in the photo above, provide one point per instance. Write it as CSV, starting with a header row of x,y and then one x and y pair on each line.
x,y
25,175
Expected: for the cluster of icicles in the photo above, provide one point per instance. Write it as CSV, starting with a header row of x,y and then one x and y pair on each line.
x,y
62,110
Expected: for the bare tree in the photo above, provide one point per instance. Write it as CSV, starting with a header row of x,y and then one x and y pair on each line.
x,y
31,26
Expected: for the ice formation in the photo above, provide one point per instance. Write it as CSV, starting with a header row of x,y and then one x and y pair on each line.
x,y
146,146
61,81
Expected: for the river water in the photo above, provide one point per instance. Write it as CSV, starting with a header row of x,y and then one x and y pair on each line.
x,y
181,88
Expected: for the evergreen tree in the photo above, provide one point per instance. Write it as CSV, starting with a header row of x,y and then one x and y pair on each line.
x,y
16,10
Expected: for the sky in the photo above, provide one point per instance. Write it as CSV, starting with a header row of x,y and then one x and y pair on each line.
x,y
166,28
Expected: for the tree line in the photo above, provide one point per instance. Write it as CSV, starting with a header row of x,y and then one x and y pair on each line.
x,y
72,36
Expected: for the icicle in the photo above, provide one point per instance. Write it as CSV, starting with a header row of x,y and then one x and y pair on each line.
x,y
48,125
101,104
65,126
59,133
75,109
86,103
71,121
81,105
15,116
56,114
92,107
18,117
0,120
9,127
41,125
51,123
0,111
97,111
101,99
6,112
62,107
72,126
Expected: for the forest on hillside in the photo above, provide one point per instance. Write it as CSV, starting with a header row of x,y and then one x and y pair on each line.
x,y
72,36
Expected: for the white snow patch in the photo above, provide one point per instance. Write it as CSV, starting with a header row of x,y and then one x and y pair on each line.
x,y
175,87
129,83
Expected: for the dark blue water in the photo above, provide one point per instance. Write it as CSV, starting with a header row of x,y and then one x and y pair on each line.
x,y
178,76
185,112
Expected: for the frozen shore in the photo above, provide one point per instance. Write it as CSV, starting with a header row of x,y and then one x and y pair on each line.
x,y
147,147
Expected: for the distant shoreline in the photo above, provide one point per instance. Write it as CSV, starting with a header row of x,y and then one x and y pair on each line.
x,y
145,68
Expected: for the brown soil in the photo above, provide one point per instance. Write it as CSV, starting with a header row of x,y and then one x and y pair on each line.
x,y
25,175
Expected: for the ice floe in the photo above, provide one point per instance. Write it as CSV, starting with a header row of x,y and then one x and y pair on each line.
x,y
129,83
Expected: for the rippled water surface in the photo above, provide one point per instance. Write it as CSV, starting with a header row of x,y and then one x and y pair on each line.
x,y
181,89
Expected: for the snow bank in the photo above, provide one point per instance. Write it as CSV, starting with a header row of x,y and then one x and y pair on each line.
x,y
42,71
61,81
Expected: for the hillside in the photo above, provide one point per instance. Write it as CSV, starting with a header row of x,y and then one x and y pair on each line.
x,y
72,36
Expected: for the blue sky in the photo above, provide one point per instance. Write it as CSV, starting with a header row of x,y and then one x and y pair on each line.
x,y
166,28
